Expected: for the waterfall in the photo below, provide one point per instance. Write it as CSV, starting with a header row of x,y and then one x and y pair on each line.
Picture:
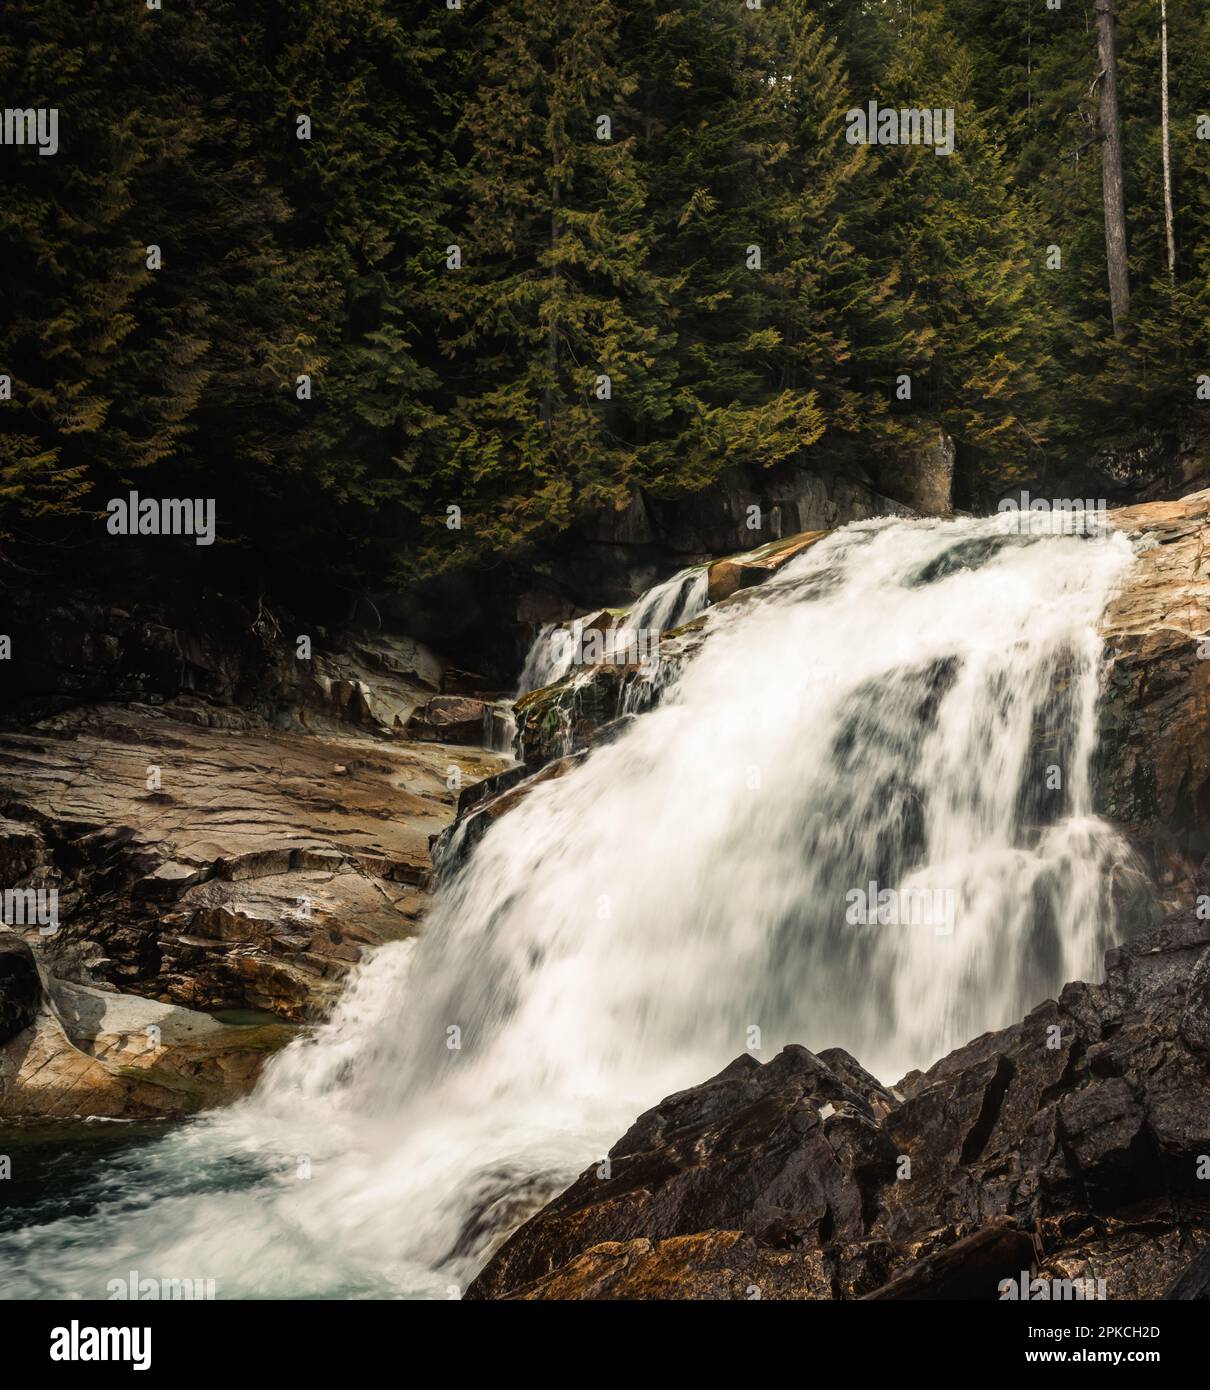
x,y
666,606
671,603
499,726
860,816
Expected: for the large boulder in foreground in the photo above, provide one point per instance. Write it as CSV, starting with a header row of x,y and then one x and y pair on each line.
x,y
1081,1132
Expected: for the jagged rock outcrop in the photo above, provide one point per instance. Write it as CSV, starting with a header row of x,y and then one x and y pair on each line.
x,y
1085,1129
583,707
481,805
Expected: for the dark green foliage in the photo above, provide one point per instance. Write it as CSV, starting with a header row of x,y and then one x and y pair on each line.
x,y
481,386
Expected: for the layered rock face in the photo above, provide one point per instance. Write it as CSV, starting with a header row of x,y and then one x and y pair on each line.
x,y
203,861
252,872
1071,1146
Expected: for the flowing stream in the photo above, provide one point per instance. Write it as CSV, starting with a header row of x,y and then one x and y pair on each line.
x,y
909,705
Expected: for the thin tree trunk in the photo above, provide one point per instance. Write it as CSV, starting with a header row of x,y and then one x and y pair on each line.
x,y
552,332
1167,150
1111,169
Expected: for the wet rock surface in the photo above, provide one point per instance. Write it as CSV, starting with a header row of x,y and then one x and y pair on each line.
x,y
234,867
450,719
93,1053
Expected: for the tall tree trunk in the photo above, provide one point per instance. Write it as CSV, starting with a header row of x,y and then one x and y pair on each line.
x,y
1167,149
1111,169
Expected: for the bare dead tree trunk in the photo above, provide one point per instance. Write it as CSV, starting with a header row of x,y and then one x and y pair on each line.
x,y
1167,149
1111,169
552,332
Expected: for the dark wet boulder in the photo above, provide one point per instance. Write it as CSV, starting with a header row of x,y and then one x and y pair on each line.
x,y
773,1158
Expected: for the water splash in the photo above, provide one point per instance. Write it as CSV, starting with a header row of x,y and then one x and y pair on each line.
x,y
499,727
911,704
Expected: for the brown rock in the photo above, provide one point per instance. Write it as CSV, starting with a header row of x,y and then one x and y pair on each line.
x,y
743,571
1155,717
450,719
90,1052
254,878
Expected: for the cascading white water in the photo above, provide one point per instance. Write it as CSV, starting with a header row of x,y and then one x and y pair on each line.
x,y
665,606
499,726
909,703
671,603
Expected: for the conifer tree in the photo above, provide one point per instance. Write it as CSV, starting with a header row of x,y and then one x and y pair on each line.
x,y
555,337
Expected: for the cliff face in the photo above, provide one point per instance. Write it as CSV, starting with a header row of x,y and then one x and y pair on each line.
x,y
1155,752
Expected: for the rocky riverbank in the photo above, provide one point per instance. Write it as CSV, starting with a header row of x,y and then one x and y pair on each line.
x,y
199,862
